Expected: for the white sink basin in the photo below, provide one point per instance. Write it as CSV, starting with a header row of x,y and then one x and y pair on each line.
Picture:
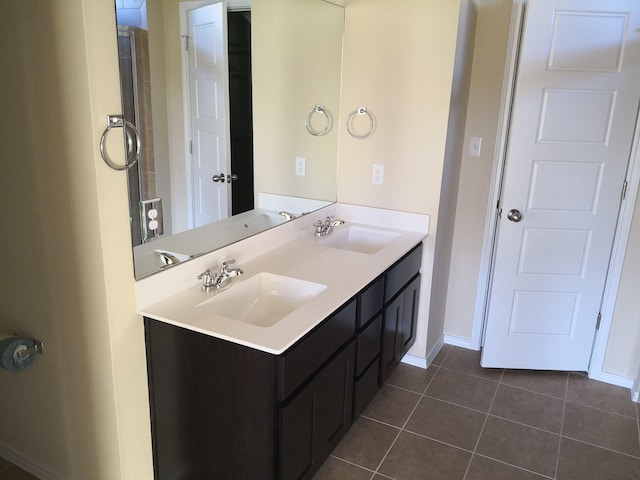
x,y
261,300
359,239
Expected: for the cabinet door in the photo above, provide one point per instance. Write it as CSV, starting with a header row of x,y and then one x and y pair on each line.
x,y
316,419
407,323
393,313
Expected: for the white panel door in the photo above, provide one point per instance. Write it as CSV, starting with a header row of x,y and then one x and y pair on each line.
x,y
572,123
209,91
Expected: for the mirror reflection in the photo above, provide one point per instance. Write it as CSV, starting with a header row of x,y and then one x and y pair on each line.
x,y
221,92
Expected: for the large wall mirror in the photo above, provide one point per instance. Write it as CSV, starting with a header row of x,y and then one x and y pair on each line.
x,y
237,106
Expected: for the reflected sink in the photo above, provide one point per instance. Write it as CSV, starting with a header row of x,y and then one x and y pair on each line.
x,y
359,239
262,300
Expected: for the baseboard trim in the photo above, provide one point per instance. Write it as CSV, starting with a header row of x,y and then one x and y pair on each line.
x,y
415,361
28,464
459,342
613,379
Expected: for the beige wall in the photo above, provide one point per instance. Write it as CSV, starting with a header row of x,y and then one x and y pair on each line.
x,y
623,347
623,352
296,63
492,29
451,174
81,410
398,62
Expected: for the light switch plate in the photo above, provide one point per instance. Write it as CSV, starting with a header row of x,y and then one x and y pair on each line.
x,y
475,144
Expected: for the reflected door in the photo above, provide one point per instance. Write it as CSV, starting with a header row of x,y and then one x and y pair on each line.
x,y
209,97
571,131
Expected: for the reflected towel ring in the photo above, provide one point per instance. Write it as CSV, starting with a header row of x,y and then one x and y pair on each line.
x,y
327,121
372,123
132,136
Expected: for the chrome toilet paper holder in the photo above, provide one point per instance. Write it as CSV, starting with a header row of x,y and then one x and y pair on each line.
x,y
22,354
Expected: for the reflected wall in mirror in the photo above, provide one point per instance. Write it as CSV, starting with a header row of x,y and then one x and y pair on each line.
x,y
221,104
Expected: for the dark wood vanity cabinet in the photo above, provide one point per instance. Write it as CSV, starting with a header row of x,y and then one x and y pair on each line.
x,y
387,316
401,294
220,410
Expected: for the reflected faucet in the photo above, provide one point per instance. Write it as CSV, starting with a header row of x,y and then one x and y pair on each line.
x,y
167,259
216,281
287,215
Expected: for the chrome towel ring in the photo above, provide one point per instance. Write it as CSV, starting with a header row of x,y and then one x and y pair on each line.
x,y
327,121
132,137
372,123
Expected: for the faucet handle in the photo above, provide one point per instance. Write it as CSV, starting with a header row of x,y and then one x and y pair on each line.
x,y
206,273
224,265
207,277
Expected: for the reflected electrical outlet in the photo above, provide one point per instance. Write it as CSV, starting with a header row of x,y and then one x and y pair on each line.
x,y
151,220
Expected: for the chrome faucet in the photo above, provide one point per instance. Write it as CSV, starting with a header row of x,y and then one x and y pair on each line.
x,y
326,228
291,216
287,215
167,259
216,281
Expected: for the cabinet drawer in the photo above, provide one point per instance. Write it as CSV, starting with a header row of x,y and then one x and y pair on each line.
x,y
370,301
365,389
298,363
368,344
403,271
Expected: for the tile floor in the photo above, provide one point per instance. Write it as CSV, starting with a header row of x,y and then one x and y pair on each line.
x,y
457,421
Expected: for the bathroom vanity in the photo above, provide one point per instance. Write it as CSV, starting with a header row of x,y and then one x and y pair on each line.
x,y
233,400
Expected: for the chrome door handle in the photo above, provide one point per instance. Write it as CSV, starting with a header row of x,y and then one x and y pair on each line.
x,y
219,178
514,215
232,178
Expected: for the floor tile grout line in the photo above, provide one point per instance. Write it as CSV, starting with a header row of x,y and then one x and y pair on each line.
x,y
449,402
601,410
530,390
352,463
564,409
514,466
484,424
470,374
533,427
635,457
441,442
384,457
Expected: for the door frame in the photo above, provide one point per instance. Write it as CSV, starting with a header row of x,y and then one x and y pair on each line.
x,y
491,221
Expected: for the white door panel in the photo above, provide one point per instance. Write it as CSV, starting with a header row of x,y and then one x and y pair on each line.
x,y
208,81
572,123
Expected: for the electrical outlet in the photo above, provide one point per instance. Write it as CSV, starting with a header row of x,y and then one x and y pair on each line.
x,y
377,176
151,223
301,166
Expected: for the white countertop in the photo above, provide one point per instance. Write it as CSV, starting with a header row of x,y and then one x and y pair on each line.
x,y
344,272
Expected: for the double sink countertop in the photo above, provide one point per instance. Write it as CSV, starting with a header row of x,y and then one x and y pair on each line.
x,y
343,273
